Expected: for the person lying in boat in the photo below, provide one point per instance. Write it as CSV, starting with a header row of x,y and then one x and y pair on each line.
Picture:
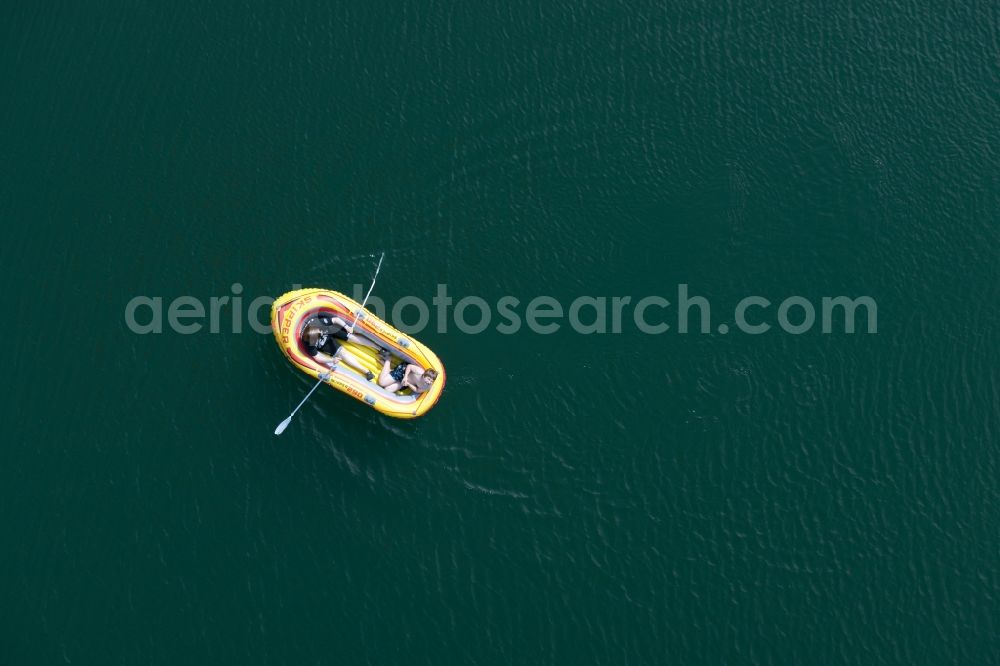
x,y
405,375
337,327
325,346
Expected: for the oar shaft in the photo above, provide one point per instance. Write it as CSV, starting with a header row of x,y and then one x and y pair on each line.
x,y
326,375
323,378
365,302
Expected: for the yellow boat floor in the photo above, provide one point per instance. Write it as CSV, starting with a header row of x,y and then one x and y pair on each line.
x,y
368,358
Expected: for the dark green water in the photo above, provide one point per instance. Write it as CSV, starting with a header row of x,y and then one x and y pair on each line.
x,y
615,499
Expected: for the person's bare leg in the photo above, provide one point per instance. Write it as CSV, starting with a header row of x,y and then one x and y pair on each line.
x,y
384,377
363,341
351,360
354,337
325,359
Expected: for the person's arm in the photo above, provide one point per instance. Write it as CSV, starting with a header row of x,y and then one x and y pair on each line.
x,y
412,378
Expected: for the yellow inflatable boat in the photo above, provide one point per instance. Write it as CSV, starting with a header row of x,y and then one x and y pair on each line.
x,y
292,311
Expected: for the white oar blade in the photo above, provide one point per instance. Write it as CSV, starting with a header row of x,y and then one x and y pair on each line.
x,y
281,426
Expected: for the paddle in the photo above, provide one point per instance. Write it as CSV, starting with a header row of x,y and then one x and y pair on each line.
x,y
284,424
326,375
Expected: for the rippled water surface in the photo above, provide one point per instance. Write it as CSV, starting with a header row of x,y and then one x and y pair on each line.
x,y
613,499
